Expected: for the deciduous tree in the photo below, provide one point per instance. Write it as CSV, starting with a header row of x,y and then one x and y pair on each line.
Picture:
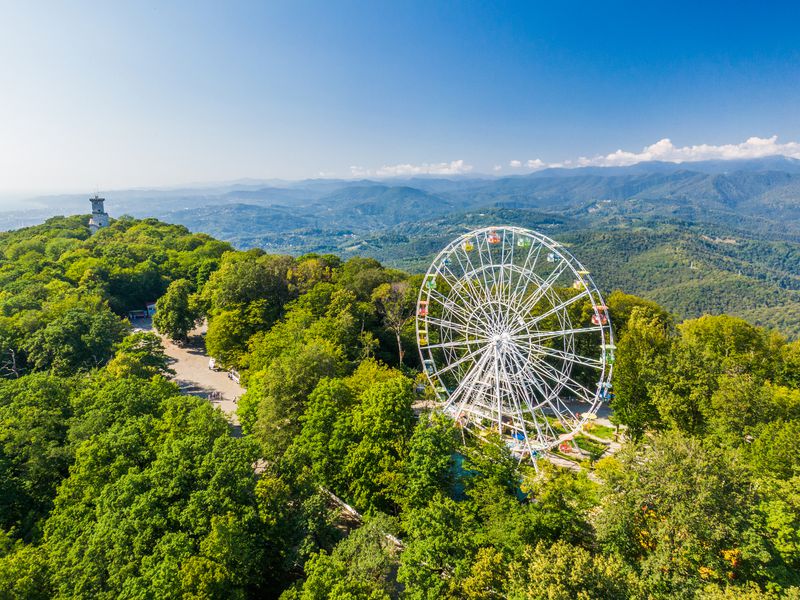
x,y
175,317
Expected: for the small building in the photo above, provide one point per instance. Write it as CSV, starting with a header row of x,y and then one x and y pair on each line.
x,y
151,309
99,218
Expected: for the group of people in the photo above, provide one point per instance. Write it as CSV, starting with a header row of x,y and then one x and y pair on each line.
x,y
217,395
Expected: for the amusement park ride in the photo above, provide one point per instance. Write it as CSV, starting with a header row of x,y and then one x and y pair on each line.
x,y
515,337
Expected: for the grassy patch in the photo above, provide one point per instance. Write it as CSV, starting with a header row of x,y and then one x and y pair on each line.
x,y
594,449
569,457
601,431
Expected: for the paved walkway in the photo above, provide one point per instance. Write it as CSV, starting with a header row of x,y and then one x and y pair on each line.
x,y
192,374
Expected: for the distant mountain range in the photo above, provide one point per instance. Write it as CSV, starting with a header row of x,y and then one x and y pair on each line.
x,y
764,188
704,236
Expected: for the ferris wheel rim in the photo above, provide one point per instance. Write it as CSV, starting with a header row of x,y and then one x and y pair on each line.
x,y
485,304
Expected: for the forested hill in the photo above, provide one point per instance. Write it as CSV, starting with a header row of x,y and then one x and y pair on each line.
x,y
115,485
62,291
691,269
760,195
706,237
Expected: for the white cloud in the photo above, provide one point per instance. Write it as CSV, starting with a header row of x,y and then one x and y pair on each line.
x,y
357,171
536,163
665,150
662,150
454,167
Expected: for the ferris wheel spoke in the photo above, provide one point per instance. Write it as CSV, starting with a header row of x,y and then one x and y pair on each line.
x,y
523,366
546,395
562,379
455,344
565,381
459,327
529,269
552,399
507,259
498,394
457,280
523,275
518,303
539,382
564,304
519,422
555,402
551,279
468,274
537,374
498,275
467,384
525,322
459,283
480,292
527,277
483,269
445,272
544,287
457,256
476,296
567,356
450,306
487,268
499,282
560,307
527,266
460,361
546,335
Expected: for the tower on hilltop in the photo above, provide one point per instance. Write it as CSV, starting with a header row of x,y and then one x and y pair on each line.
x,y
99,217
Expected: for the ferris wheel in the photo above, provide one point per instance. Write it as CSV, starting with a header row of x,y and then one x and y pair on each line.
x,y
515,338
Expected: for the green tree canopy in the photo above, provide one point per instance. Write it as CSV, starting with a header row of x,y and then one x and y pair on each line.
x,y
140,354
175,317
681,513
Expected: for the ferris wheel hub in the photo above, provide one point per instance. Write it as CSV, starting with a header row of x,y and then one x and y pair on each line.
x,y
500,339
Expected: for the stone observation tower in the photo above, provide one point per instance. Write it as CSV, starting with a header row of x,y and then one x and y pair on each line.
x,y
99,217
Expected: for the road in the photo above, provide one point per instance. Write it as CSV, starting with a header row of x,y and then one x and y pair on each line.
x,y
190,363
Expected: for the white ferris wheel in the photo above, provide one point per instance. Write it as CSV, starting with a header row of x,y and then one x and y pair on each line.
x,y
514,337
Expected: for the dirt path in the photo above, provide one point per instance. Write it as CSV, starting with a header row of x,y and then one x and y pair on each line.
x,y
192,374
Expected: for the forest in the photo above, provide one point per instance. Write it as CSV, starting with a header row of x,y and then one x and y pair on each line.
x,y
689,267
115,485
705,237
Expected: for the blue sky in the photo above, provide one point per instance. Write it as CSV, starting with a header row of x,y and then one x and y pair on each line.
x,y
108,95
